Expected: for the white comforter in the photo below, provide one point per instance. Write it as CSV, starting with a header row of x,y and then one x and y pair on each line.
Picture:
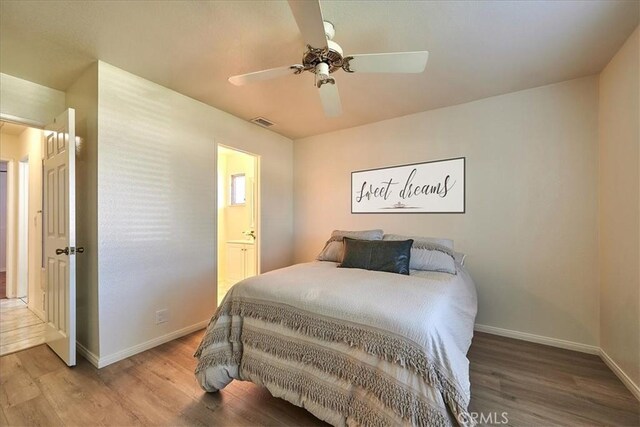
x,y
354,347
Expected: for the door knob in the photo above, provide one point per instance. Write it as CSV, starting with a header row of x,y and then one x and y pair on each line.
x,y
80,250
62,251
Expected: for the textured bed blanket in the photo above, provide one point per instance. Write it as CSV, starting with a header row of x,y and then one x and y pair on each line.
x,y
354,347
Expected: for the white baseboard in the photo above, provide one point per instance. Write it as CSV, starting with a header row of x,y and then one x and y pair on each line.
x,y
102,361
553,342
628,382
37,312
87,354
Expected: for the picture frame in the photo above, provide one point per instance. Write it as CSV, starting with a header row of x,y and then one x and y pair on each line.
x,y
436,186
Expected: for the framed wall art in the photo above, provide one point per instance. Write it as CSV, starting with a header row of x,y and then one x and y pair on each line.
x,y
430,187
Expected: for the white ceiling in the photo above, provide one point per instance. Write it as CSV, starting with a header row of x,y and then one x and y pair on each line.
x,y
477,49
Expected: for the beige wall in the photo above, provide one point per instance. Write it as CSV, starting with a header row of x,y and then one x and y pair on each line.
x,y
619,209
29,101
82,96
156,208
530,230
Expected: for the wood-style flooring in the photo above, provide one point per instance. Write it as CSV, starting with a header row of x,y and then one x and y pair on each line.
x,y
535,385
538,385
19,327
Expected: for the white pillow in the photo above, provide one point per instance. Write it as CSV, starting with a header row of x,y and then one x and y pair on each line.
x,y
334,248
429,254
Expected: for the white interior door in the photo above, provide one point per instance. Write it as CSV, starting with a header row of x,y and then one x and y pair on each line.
x,y
59,223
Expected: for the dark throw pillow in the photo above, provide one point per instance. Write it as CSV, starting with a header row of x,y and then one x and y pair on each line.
x,y
378,255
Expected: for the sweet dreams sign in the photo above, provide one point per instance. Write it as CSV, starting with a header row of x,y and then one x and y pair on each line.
x,y
429,187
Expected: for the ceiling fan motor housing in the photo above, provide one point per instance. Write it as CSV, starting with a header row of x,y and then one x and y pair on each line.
x,y
332,55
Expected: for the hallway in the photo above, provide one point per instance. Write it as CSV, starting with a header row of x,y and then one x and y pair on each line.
x,y
19,327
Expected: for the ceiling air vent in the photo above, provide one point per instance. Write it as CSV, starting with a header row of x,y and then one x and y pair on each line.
x,y
261,121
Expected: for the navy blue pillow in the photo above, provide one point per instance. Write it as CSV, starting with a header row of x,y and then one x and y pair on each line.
x,y
391,256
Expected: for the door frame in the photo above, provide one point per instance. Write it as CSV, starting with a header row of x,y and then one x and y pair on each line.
x,y
256,208
22,237
12,221
10,230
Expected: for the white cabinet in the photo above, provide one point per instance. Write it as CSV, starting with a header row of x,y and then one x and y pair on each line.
x,y
241,261
250,261
235,262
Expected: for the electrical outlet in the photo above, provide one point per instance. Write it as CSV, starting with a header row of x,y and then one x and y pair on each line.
x,y
162,316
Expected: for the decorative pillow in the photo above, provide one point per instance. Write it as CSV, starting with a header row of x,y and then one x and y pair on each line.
x,y
334,249
427,254
417,239
377,255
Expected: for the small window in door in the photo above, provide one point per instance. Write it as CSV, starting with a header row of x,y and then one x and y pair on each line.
x,y
238,190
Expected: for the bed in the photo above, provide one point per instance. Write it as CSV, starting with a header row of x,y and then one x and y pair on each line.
x,y
352,346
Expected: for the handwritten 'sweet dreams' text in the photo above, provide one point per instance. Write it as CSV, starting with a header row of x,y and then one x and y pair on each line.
x,y
411,189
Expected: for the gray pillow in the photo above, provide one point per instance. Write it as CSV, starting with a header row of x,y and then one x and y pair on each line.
x,y
460,257
377,255
429,254
417,239
334,250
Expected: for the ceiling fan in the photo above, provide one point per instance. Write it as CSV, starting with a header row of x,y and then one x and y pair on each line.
x,y
324,56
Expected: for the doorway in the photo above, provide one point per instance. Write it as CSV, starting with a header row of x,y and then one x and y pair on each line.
x,y
22,299
238,209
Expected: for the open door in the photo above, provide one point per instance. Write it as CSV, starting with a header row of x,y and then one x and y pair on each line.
x,y
59,224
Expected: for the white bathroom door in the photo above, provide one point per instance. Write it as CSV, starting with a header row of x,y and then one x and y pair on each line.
x,y
59,223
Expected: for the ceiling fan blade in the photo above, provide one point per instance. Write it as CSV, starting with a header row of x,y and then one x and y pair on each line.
x,y
330,99
400,62
271,73
308,16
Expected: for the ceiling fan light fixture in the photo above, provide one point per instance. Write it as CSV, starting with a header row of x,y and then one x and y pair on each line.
x,y
329,30
322,71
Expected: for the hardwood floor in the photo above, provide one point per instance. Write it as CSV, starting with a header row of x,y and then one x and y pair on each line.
x,y
539,385
19,327
535,385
